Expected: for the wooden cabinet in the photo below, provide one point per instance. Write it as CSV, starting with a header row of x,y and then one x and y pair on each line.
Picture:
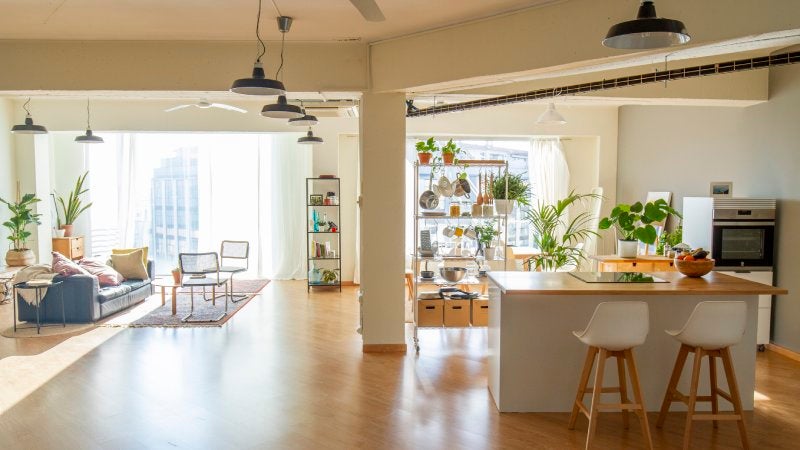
x,y
613,263
71,247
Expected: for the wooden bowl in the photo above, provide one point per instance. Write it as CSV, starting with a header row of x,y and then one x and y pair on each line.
x,y
694,269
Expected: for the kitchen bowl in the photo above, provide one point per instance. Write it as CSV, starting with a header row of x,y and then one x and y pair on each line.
x,y
694,269
453,274
428,274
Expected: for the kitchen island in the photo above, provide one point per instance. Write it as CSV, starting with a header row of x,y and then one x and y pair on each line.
x,y
535,361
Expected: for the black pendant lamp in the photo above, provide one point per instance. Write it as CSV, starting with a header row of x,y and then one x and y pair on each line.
x,y
88,138
28,127
305,121
647,31
309,138
282,109
258,84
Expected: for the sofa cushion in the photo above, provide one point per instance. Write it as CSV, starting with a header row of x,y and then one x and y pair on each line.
x,y
130,265
124,251
107,275
66,267
136,284
112,292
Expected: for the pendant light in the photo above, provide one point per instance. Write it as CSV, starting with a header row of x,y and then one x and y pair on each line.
x,y
88,138
305,121
309,138
258,84
282,109
647,31
28,127
551,117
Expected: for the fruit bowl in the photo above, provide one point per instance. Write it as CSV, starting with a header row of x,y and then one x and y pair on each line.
x,y
694,269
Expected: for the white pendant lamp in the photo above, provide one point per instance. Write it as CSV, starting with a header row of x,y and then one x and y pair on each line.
x,y
88,138
551,117
282,109
28,127
258,84
309,138
647,31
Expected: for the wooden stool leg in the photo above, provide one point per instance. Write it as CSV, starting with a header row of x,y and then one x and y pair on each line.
x,y
591,353
597,391
733,387
623,388
409,285
712,378
687,434
683,353
638,397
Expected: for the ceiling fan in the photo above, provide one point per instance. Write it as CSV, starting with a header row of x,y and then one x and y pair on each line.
x,y
205,104
369,9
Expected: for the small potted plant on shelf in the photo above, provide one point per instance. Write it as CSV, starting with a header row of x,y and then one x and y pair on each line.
x,y
329,276
176,275
425,150
450,151
558,238
508,189
485,235
22,215
634,224
71,207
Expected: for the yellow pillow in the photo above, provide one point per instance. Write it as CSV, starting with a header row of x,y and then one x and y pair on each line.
x,y
122,251
130,265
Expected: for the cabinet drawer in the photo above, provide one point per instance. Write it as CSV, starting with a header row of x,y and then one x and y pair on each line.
x,y
480,313
635,266
456,313
430,313
76,247
665,266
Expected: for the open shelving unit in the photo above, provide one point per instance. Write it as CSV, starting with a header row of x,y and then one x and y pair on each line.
x,y
317,235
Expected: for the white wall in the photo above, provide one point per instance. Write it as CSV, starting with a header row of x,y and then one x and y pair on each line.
x,y
683,149
8,176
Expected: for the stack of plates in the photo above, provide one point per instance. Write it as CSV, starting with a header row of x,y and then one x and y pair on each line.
x,y
433,213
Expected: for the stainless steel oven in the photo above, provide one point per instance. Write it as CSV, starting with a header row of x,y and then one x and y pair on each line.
x,y
743,235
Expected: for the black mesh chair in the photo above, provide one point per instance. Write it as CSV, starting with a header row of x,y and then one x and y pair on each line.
x,y
236,250
202,270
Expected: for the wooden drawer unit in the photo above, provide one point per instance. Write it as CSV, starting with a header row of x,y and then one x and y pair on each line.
x,y
71,247
643,263
480,313
430,313
456,313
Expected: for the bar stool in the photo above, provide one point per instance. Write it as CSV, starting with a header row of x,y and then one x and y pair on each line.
x,y
712,328
614,329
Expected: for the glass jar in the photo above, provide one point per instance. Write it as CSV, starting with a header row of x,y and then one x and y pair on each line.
x,y
455,209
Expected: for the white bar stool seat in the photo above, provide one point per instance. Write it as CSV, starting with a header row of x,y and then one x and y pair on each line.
x,y
712,328
614,329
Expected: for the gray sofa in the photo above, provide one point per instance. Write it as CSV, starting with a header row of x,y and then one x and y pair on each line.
x,y
85,301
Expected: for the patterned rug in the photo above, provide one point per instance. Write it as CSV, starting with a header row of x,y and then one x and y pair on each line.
x,y
150,313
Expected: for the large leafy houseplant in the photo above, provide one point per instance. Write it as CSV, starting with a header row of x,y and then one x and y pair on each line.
x,y
507,189
634,223
72,207
22,215
556,236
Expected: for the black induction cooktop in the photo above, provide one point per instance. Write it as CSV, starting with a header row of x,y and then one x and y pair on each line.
x,y
616,277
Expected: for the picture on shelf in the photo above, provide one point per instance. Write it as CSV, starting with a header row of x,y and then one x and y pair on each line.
x,y
721,189
315,200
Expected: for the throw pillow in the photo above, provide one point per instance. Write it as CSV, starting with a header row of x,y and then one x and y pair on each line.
x,y
66,267
123,251
107,276
130,265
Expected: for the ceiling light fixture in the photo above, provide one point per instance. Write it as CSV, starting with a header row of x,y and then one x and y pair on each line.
x,y
258,84
282,109
309,138
28,127
88,138
647,31
551,117
305,121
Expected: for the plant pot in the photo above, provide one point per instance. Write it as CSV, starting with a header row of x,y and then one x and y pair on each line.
x,y
60,233
424,158
448,158
627,249
67,230
503,206
176,276
20,258
489,253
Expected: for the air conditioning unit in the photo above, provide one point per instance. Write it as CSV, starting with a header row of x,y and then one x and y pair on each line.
x,y
335,108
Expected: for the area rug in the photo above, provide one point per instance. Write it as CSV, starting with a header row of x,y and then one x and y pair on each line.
x,y
150,313
28,330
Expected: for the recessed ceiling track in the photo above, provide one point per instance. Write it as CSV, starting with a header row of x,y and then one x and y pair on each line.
x,y
633,80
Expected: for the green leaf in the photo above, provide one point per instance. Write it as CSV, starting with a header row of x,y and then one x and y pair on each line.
x,y
637,207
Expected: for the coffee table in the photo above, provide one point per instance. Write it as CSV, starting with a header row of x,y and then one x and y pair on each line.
x,y
165,283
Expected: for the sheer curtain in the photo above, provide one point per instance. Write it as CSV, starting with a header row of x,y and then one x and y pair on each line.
x,y
549,171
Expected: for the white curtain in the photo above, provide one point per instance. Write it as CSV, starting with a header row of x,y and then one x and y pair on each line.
x,y
548,170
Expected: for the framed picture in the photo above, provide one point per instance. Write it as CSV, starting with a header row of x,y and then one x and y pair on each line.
x,y
721,189
315,200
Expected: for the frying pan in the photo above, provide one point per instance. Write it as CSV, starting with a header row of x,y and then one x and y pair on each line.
x,y
429,199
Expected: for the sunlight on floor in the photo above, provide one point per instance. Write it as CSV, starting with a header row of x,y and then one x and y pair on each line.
x,y
759,397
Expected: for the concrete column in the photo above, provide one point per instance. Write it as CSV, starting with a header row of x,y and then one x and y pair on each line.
x,y
382,211
33,172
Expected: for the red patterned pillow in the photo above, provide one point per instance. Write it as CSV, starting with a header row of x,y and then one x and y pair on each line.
x,y
66,267
105,274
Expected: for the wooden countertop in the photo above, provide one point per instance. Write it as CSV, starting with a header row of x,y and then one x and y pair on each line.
x,y
619,259
549,283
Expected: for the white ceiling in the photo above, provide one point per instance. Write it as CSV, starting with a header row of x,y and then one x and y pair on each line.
x,y
314,20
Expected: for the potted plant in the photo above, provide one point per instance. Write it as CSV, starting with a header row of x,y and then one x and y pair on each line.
x,y
558,238
329,276
22,215
72,207
634,224
176,275
507,189
667,240
425,150
485,235
450,151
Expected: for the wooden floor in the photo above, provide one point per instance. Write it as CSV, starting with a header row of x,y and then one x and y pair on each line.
x,y
287,372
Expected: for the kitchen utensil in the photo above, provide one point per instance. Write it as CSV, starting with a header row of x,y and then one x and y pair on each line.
x,y
470,233
479,199
445,186
449,231
489,188
458,191
488,210
463,188
694,269
453,274
477,210
429,295
427,273
429,199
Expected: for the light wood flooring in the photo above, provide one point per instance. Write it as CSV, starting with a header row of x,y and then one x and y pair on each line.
x,y
287,372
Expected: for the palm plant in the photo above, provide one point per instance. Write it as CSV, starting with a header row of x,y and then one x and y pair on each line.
x,y
556,236
73,206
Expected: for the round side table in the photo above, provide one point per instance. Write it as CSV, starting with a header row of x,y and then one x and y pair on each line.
x,y
39,289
